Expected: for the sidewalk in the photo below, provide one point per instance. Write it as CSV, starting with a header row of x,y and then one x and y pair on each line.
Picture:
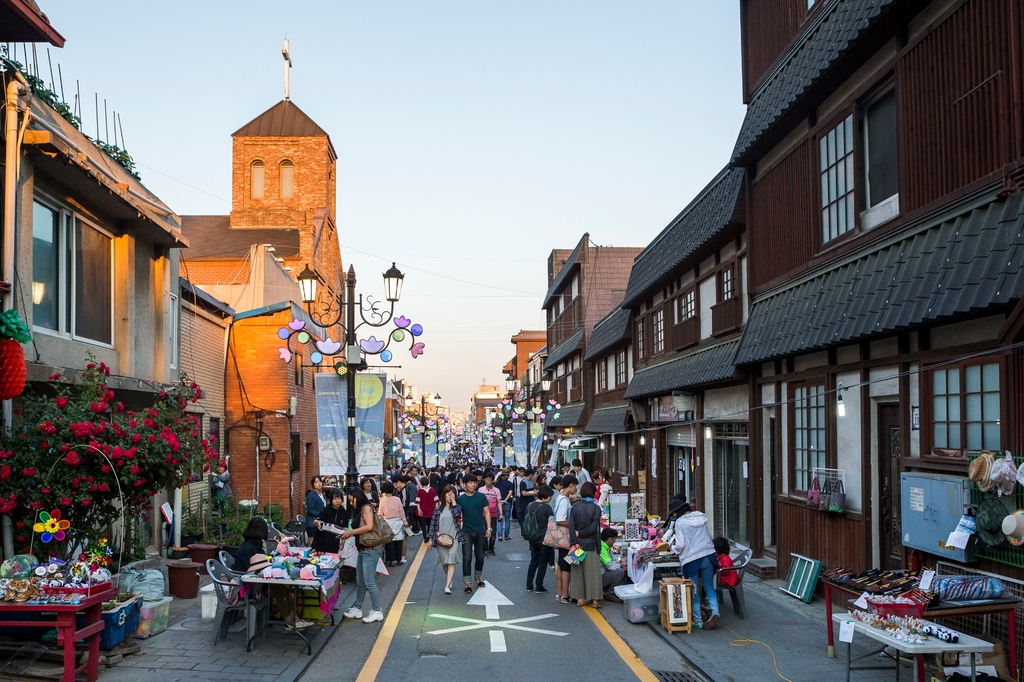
x,y
795,631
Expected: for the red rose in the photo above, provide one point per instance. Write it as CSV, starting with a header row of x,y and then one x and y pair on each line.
x,y
105,469
28,472
65,502
134,469
60,401
104,487
46,491
72,459
86,501
54,377
5,473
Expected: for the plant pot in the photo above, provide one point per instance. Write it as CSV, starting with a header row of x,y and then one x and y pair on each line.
x,y
187,540
200,554
183,579
12,369
177,552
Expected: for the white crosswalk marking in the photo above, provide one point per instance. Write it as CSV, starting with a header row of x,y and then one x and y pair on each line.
x,y
498,642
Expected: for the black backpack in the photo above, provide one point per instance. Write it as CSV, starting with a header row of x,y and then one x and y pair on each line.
x,y
532,532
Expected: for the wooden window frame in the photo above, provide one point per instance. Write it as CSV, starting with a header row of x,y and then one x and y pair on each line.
x,y
828,426
926,392
680,301
658,335
641,339
730,270
602,375
621,368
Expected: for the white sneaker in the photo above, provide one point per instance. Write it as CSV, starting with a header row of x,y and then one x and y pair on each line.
x,y
299,625
374,617
353,613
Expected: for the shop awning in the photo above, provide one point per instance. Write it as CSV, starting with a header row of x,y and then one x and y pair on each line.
x,y
961,264
610,419
564,350
569,416
708,365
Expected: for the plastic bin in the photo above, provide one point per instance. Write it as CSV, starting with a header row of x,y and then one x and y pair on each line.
x,y
131,623
153,617
640,607
208,599
115,624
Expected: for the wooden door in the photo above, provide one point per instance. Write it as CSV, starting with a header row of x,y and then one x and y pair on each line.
x,y
890,533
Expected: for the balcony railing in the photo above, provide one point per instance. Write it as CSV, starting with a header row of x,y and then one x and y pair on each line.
x,y
686,333
726,316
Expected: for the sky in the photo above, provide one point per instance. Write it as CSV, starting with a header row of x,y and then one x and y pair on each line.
x,y
472,137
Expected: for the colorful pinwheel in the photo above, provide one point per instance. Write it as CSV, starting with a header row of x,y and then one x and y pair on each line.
x,y
51,526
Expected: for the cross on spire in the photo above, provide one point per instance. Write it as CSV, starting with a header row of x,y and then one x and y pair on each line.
x,y
287,70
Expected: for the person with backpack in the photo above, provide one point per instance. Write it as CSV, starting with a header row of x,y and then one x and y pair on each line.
x,y
534,526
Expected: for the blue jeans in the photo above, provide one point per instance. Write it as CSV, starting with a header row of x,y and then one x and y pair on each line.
x,y
475,542
702,572
366,578
505,527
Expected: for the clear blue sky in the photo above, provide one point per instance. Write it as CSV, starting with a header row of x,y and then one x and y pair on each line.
x,y
473,137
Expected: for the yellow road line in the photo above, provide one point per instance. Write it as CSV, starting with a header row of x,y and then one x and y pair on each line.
x,y
620,646
380,648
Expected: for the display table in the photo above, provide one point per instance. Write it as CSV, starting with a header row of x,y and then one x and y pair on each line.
x,y
64,618
966,645
981,607
328,600
664,567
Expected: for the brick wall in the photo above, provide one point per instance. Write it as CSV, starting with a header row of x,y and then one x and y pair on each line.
x,y
219,271
268,383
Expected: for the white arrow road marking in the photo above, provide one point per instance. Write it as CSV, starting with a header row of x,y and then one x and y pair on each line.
x,y
510,624
490,598
498,642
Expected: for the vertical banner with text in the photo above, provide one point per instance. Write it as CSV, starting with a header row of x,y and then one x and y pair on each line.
x,y
519,443
536,440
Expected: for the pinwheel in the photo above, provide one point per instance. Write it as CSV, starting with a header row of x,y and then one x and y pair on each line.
x,y
51,526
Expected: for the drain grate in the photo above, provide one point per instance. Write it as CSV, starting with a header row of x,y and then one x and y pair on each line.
x,y
518,557
673,676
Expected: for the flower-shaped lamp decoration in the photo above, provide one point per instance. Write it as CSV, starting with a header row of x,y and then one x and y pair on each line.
x,y
51,526
325,351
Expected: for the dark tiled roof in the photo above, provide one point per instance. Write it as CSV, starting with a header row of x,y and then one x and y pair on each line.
x,y
702,367
568,416
609,419
817,51
210,236
699,222
608,333
284,119
964,264
199,297
563,275
564,350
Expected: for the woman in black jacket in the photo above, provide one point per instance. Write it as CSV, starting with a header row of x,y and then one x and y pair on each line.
x,y
334,513
585,530
255,541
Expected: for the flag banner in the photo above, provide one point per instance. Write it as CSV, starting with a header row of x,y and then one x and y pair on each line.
x,y
519,444
332,423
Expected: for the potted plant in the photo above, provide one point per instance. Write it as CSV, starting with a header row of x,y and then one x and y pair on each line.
x,y
191,527
13,333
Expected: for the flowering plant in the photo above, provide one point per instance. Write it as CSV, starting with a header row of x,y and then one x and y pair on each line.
x,y
78,451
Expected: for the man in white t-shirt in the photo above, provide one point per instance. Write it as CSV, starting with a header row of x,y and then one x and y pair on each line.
x,y
581,474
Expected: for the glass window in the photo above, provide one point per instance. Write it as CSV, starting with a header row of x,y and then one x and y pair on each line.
x,y
658,324
575,286
808,433
835,150
641,346
878,151
620,368
287,179
602,376
966,408
727,284
256,174
45,267
687,305
93,286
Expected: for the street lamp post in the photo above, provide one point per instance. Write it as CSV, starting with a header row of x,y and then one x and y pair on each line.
x,y
354,361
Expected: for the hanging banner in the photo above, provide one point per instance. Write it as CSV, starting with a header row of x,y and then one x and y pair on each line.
x,y
553,463
430,448
498,455
332,420
519,444
536,440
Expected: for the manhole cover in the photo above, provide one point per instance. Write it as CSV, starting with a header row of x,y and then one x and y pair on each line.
x,y
518,557
672,676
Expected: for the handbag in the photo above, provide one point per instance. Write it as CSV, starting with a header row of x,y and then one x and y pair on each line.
x,y
826,494
556,536
814,494
380,534
445,540
837,502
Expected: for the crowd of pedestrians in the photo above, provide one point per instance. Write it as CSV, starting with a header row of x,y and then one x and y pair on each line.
x,y
464,507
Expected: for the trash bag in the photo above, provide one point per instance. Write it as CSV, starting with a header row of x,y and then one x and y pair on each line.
x,y
149,583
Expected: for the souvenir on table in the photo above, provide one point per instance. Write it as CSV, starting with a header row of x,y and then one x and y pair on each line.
x,y
637,505
632,530
1013,528
18,566
51,526
874,581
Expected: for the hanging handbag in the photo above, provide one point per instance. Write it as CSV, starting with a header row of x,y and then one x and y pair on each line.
x,y
380,534
445,540
814,494
556,536
837,502
826,494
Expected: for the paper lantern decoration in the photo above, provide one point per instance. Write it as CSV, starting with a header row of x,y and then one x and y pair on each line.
x,y
51,526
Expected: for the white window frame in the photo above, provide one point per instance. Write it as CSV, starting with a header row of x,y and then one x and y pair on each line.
x,y
67,276
886,209
837,174
658,332
175,327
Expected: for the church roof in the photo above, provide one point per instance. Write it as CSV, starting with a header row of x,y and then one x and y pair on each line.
x,y
284,119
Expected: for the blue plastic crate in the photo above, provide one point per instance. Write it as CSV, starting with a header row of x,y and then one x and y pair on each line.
x,y
114,627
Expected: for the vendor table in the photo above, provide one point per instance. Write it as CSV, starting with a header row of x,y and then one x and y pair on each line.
x,y
323,583
663,567
65,617
966,645
981,607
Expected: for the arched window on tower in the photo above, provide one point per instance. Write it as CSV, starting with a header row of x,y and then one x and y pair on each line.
x,y
256,173
287,179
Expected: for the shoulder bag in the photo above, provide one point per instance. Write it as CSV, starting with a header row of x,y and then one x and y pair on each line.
x,y
380,534
837,503
445,540
814,494
556,536
826,495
